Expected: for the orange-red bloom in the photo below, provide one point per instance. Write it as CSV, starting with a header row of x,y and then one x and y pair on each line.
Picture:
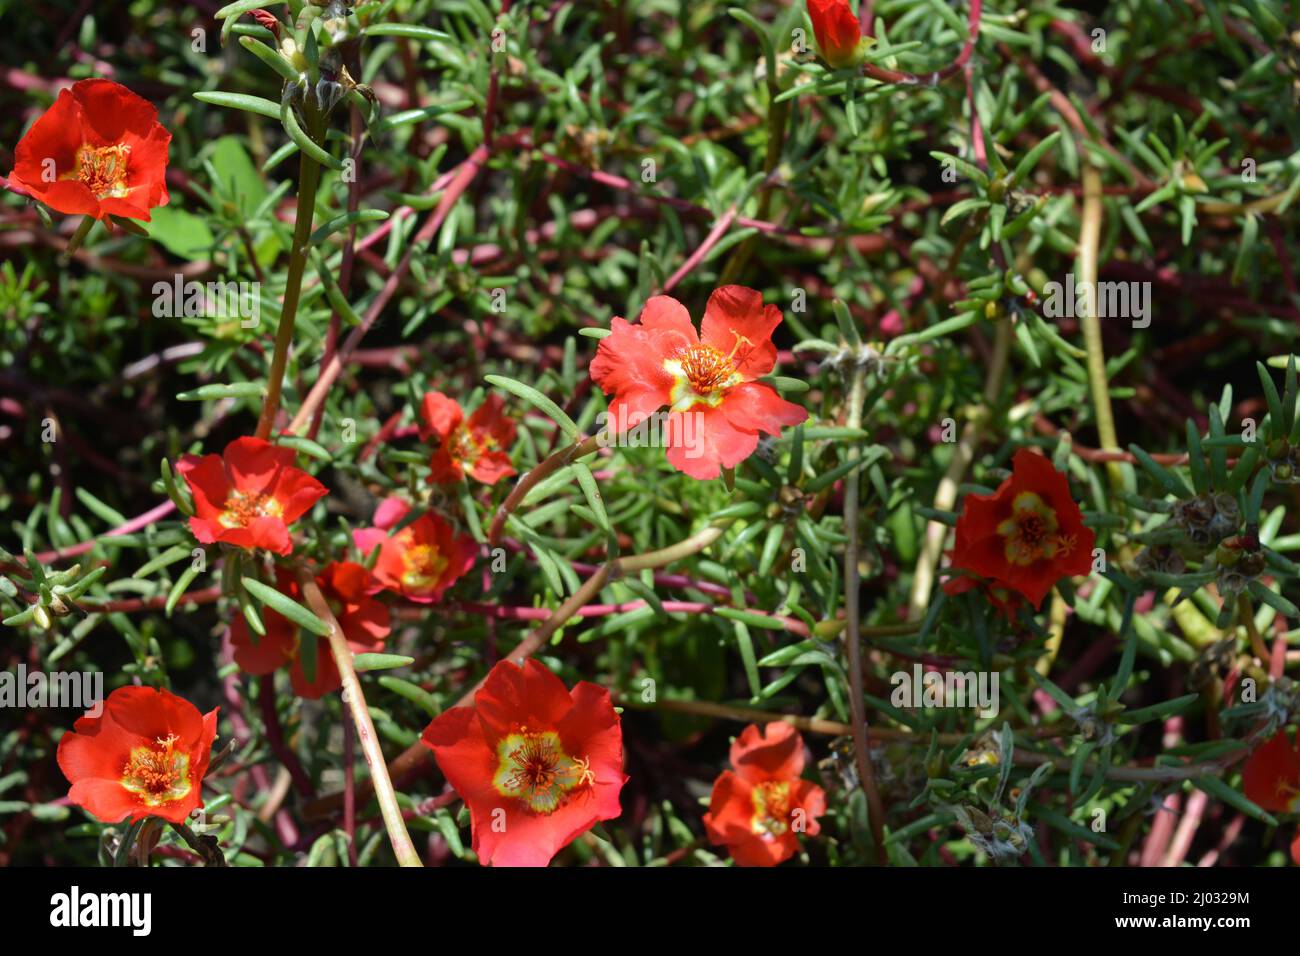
x,y
479,445
347,588
1028,534
423,559
249,494
1271,779
145,755
709,377
838,32
99,151
536,764
756,811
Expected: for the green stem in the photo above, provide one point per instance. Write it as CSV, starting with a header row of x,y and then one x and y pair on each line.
x,y
945,496
308,181
356,702
853,628
77,239
1089,242
544,469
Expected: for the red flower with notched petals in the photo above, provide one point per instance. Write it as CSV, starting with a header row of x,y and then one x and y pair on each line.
x,y
536,763
347,587
98,151
1028,534
144,756
756,810
249,494
1271,779
479,445
710,377
423,559
838,32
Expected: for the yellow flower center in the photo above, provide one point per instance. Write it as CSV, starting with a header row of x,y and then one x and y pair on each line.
x,y
1030,533
533,768
424,566
702,374
771,801
158,772
102,169
242,507
461,445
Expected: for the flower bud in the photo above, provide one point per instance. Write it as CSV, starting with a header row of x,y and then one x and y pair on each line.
x,y
839,35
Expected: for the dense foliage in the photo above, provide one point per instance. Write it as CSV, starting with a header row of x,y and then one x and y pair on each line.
x,y
439,230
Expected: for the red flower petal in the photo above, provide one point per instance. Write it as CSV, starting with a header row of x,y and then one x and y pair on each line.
x,y
758,408
737,323
530,695
702,452
491,467
273,650
1271,776
254,464
629,365
771,752
327,673
443,468
439,416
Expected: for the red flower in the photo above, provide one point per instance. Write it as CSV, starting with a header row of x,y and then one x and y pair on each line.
x,y
479,446
99,150
347,587
249,494
537,764
1271,779
145,755
1008,602
756,811
420,561
838,32
662,361
1028,534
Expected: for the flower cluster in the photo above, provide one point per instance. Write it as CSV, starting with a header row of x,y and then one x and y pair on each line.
x,y
417,607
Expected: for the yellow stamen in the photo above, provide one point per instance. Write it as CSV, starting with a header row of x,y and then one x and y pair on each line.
x,y
102,169
242,507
